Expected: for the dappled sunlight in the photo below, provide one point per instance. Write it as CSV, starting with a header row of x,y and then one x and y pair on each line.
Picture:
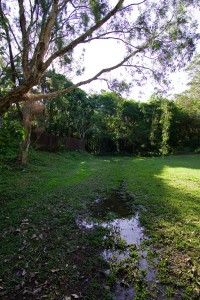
x,y
107,160
187,180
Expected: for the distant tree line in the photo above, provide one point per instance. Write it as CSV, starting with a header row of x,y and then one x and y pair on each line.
x,y
157,37
109,123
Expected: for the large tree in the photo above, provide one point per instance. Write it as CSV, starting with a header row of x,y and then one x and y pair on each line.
x,y
35,34
190,99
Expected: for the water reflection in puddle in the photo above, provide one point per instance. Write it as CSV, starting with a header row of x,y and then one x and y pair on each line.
x,y
125,224
130,229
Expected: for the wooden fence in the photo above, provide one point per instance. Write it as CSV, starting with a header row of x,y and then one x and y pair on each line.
x,y
51,142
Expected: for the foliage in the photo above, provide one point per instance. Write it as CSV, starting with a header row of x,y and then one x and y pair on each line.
x,y
109,123
66,115
189,100
136,128
185,131
36,35
128,126
11,134
105,130
189,106
160,127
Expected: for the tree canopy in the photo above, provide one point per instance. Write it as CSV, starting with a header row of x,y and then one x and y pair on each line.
x,y
157,36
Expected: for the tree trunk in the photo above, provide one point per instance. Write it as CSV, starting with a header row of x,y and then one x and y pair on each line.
x,y
24,148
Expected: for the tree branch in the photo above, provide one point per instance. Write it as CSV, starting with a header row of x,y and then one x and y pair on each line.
x,y
25,38
112,38
13,76
82,38
21,93
133,4
42,46
35,97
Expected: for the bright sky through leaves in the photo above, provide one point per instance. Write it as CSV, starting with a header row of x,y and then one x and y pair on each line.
x,y
101,54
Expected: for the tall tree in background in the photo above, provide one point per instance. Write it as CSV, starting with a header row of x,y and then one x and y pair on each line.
x,y
190,99
105,122
135,133
67,115
160,124
56,110
189,105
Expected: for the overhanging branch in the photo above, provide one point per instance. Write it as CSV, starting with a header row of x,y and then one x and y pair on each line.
x,y
35,97
82,38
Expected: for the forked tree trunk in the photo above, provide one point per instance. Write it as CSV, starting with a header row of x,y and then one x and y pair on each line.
x,y
30,109
27,122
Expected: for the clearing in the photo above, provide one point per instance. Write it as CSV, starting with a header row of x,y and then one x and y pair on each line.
x,y
76,226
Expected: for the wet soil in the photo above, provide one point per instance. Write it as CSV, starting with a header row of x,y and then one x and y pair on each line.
x,y
130,274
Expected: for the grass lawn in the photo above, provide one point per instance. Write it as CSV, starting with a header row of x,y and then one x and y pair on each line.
x,y
45,255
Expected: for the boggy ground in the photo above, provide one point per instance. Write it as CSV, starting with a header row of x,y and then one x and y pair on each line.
x,y
46,254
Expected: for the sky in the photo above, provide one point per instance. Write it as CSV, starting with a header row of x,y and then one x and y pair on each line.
x,y
103,54
99,56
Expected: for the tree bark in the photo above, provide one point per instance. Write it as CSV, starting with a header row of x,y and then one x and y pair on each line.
x,y
33,70
24,148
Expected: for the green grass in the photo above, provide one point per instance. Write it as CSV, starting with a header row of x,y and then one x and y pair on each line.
x,y
45,254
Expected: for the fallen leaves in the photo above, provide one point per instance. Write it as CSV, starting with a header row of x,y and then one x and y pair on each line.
x,y
73,296
55,270
37,290
33,274
47,261
37,237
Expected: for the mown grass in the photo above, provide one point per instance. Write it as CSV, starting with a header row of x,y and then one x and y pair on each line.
x,y
44,254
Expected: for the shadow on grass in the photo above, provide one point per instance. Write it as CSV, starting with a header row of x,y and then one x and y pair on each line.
x,y
45,253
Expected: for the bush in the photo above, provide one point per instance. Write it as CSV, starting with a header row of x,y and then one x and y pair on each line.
x,y
11,134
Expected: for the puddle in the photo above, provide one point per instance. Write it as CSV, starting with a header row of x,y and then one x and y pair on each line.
x,y
117,204
130,231
127,258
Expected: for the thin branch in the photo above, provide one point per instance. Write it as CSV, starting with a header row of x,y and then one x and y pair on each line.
x,y
11,56
96,37
21,93
63,4
140,67
112,38
107,82
133,4
77,7
31,24
25,37
44,38
35,97
10,28
81,38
